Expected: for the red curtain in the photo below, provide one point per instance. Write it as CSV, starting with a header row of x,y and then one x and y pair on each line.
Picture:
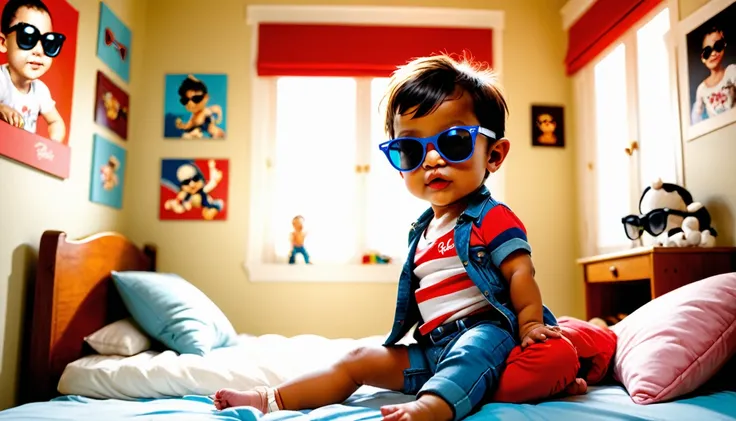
x,y
600,26
359,50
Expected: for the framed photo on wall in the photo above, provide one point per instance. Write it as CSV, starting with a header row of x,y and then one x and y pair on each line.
x,y
548,125
195,106
194,189
111,106
707,66
34,128
108,173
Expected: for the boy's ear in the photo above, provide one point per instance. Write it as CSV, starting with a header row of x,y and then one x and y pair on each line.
x,y
497,154
3,43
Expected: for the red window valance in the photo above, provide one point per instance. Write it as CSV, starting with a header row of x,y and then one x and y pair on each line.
x,y
359,50
600,26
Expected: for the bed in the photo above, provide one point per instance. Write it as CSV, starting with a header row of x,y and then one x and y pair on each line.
x,y
63,379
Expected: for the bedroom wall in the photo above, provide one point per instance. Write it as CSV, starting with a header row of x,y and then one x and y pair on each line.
x,y
33,202
183,36
709,168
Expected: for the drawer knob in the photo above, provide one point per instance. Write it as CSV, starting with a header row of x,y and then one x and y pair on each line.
x,y
613,271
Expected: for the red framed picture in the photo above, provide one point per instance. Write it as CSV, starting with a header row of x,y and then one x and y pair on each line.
x,y
111,106
36,103
194,189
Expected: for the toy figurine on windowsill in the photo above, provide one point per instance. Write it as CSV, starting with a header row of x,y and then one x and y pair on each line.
x,y
297,240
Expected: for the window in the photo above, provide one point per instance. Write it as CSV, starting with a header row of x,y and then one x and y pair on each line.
x,y
625,111
314,149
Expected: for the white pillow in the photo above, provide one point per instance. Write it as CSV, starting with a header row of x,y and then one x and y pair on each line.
x,y
123,337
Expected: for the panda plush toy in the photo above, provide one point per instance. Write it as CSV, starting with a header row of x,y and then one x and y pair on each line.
x,y
668,213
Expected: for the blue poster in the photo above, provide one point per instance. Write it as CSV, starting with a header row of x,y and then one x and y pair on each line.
x,y
195,106
108,173
113,43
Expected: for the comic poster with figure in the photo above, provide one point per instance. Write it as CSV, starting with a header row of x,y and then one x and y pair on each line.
x,y
108,173
111,106
38,49
195,106
194,189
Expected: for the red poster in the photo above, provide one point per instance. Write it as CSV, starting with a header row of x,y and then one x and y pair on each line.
x,y
194,189
47,76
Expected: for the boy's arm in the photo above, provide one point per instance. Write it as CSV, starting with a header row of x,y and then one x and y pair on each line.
x,y
57,128
507,242
526,298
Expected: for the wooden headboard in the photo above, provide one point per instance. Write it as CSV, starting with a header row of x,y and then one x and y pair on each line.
x,y
73,296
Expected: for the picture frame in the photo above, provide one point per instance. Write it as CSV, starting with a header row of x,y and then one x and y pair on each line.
x,y
195,106
112,106
194,189
107,179
114,43
548,125
34,144
707,103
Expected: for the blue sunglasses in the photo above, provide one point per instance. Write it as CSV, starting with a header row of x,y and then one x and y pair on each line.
x,y
454,145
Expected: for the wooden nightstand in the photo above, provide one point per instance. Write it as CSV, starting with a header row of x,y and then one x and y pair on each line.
x,y
624,281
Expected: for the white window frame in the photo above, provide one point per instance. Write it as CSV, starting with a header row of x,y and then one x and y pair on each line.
x,y
262,113
584,100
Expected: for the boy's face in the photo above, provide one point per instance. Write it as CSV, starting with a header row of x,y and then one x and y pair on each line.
x,y
297,224
457,180
29,64
716,57
546,123
197,101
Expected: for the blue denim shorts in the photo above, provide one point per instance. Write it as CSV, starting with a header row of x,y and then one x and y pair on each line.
x,y
460,361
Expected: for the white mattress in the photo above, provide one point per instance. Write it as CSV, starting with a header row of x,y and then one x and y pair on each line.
x,y
257,360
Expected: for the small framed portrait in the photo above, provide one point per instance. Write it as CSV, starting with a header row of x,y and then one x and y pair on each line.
x,y
548,126
111,106
195,106
194,189
707,63
108,173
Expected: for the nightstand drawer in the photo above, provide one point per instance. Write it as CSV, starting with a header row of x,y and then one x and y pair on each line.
x,y
621,269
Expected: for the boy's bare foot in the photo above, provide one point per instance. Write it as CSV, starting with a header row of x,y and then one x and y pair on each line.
x,y
426,408
226,398
578,387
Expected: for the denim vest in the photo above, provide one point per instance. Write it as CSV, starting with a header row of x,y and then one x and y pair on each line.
x,y
477,261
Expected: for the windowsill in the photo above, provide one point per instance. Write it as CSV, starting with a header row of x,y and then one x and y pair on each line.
x,y
280,272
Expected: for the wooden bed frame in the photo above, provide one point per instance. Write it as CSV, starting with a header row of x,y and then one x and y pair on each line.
x,y
73,297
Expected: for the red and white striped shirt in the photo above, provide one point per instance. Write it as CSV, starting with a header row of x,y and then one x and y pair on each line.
x,y
445,291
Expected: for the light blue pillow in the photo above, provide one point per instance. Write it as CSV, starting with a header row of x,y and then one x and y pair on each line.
x,y
174,311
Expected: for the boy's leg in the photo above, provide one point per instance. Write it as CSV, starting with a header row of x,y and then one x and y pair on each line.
x,y
379,366
540,371
467,371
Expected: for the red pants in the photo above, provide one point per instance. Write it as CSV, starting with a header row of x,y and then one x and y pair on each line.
x,y
539,371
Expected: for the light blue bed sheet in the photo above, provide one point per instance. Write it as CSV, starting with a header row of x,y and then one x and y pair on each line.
x,y
601,403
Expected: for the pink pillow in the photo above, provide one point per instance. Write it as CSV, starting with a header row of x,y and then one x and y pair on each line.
x,y
675,343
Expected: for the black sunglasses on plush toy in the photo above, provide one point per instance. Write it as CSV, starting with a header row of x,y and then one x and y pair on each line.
x,y
654,222
27,36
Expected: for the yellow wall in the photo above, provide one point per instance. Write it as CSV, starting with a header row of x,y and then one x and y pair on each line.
x,y
33,202
709,170
183,36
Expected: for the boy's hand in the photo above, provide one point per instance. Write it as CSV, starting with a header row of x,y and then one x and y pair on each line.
x,y
11,116
537,332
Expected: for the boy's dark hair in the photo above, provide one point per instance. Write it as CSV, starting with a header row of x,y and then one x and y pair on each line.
x,y
191,84
11,9
425,83
714,29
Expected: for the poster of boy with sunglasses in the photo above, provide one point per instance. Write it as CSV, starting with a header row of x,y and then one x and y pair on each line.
x,y
711,68
31,45
195,106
